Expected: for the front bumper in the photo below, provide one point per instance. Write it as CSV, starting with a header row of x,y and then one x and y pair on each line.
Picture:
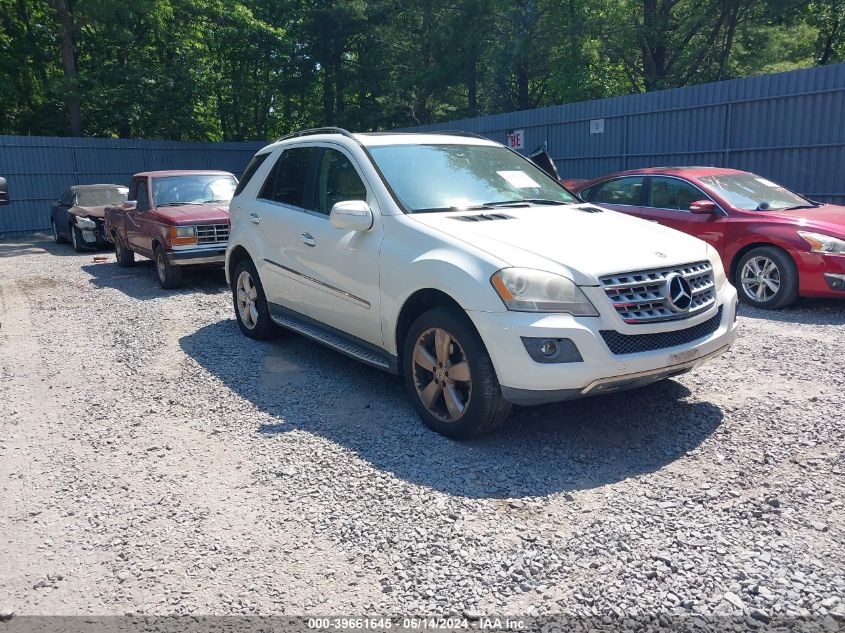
x,y
96,236
525,381
820,274
194,256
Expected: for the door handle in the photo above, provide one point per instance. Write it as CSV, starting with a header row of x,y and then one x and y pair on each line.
x,y
308,239
253,217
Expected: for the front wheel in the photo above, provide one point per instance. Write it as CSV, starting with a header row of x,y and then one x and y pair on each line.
x,y
450,377
251,308
767,278
76,239
125,257
168,275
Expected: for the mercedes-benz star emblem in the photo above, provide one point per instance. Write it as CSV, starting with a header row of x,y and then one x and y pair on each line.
x,y
678,293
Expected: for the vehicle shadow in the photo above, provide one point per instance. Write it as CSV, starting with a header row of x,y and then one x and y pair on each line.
x,y
806,311
139,282
542,450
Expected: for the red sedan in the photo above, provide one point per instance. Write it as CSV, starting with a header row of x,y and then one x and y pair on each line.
x,y
775,244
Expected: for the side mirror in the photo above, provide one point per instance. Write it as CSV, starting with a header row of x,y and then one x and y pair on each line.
x,y
4,192
703,206
352,215
130,205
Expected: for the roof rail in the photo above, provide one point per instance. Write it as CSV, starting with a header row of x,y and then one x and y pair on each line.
x,y
458,133
317,130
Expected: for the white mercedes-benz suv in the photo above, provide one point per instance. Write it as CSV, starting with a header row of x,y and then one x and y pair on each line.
x,y
458,264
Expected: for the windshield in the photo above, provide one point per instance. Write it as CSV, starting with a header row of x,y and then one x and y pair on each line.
x,y
173,190
101,197
445,177
752,193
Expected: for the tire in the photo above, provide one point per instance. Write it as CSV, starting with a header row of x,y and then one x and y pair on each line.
x,y
76,239
58,239
767,278
477,405
125,257
167,275
251,309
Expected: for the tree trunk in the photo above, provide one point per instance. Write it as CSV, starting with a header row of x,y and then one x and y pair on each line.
x,y
67,50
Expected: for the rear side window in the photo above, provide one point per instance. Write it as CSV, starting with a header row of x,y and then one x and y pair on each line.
x,y
618,191
286,183
250,170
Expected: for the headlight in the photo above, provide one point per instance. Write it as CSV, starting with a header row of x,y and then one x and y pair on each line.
x,y
719,277
820,243
182,235
527,290
85,223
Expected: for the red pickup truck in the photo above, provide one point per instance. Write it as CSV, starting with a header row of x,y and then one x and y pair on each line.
x,y
175,218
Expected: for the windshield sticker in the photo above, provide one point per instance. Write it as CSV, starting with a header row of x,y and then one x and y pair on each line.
x,y
518,179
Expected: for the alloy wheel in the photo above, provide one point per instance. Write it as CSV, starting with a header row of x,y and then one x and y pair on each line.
x,y
74,238
161,267
247,298
441,374
760,279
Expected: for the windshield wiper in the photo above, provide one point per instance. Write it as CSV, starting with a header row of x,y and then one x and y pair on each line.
x,y
175,204
802,206
213,201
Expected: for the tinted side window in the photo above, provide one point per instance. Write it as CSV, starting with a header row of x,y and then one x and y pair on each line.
x,y
139,188
286,183
618,191
337,181
671,193
250,170
67,197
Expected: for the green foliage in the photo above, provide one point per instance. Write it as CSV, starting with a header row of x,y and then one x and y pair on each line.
x,y
255,69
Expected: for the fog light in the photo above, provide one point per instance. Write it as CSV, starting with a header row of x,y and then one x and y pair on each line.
x,y
835,281
552,350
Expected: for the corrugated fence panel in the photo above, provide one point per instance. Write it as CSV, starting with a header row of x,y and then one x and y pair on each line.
x,y
39,169
788,127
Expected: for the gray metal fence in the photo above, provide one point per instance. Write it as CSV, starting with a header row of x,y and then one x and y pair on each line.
x,y
788,127
39,169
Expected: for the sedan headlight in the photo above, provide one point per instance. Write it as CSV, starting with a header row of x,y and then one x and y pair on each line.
x,y
85,223
821,243
719,276
528,290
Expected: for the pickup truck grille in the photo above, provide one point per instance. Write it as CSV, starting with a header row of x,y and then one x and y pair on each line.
x,y
641,297
211,233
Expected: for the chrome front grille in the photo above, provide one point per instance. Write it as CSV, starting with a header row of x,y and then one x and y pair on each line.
x,y
640,297
212,233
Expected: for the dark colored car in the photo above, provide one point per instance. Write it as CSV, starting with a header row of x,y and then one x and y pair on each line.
x,y
775,244
78,215
176,218
4,192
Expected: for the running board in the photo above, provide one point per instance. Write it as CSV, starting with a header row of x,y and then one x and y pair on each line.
x,y
335,340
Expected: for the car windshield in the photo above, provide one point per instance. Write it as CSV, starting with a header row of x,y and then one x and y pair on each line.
x,y
445,177
173,190
101,197
752,193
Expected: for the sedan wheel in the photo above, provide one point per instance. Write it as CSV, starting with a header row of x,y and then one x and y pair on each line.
x,y
247,296
442,375
760,279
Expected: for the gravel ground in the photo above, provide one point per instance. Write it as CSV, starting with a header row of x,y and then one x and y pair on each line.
x,y
155,461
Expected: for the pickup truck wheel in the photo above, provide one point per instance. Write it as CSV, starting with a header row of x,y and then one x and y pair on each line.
x,y
450,377
251,309
766,278
125,257
76,239
168,275
58,239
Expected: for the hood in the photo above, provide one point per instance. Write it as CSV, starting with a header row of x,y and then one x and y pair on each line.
x,y
828,218
570,240
195,213
89,212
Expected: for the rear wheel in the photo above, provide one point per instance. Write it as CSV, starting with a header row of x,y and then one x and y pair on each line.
x,y
450,377
125,257
767,278
251,309
58,239
168,275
